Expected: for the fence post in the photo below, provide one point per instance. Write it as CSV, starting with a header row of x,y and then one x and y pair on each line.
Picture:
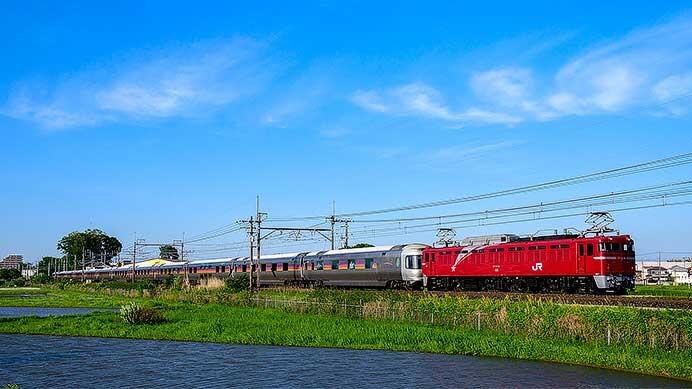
x,y
478,320
608,334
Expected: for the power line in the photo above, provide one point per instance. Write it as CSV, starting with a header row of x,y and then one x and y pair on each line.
x,y
614,198
663,163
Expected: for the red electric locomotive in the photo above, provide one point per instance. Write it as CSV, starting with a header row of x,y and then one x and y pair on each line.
x,y
565,263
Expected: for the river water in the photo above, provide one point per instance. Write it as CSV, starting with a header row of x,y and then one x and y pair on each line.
x,y
48,361
43,312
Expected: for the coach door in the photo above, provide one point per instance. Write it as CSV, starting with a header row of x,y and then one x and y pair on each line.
x,y
581,258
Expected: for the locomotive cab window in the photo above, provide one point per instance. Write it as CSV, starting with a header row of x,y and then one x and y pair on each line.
x,y
413,261
610,246
589,249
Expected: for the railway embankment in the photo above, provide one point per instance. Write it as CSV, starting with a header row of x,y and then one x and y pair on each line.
x,y
649,341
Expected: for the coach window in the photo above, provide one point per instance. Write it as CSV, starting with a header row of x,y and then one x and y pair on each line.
x,y
351,264
368,263
413,261
244,268
285,266
335,265
320,265
263,267
589,249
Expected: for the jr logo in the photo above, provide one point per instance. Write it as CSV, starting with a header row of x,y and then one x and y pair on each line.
x,y
538,266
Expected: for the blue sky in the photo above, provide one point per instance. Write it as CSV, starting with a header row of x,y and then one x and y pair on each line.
x,y
167,118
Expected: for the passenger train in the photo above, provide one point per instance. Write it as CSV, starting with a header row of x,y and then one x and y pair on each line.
x,y
554,263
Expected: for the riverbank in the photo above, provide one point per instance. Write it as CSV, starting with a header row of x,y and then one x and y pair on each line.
x,y
367,320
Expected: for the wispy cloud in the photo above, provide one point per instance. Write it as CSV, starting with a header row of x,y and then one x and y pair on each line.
x,y
647,67
459,153
419,99
176,82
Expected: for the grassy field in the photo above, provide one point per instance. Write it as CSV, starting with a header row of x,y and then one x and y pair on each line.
x,y
222,323
641,340
663,290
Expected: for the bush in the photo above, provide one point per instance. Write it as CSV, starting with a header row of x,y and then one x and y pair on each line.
x,y
140,285
238,283
173,282
133,313
65,282
41,279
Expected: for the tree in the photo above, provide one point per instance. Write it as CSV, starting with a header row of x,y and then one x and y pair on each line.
x,y
51,264
10,274
92,244
168,252
360,246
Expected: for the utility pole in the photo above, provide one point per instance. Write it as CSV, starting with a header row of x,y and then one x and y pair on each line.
x,y
332,222
346,221
258,217
83,253
134,259
659,268
251,258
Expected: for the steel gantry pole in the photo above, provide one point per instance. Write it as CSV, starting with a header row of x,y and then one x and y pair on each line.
x,y
252,250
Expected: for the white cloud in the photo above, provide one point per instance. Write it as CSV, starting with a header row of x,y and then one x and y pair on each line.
x,y
646,67
466,152
369,100
506,85
419,99
422,99
673,87
176,82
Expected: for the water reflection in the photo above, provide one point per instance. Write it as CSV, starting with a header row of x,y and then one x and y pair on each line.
x,y
46,361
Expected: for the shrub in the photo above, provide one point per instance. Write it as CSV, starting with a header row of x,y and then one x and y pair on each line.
x,y
63,283
173,282
41,279
133,313
238,283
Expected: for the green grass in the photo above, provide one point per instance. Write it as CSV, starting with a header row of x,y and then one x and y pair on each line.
x,y
663,290
388,320
221,323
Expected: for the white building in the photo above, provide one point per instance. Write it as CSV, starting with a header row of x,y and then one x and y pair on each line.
x,y
680,275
